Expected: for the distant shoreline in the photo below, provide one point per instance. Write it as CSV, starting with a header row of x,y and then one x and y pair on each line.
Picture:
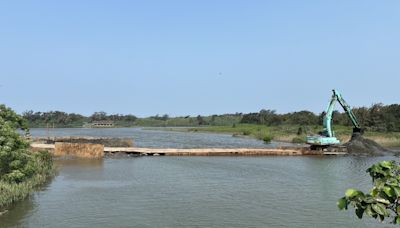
x,y
281,133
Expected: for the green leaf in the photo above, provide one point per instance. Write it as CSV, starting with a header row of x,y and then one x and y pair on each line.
x,y
392,182
375,169
369,199
380,209
350,193
381,200
369,211
386,164
389,191
359,212
342,203
396,190
379,184
374,192
397,220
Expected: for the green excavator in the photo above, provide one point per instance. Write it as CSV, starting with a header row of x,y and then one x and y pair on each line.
x,y
326,140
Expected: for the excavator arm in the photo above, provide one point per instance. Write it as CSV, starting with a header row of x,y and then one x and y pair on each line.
x,y
348,111
327,136
328,132
337,97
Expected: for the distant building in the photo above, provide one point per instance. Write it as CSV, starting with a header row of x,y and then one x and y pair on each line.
x,y
104,123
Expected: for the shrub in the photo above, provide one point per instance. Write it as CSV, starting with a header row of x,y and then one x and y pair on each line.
x,y
246,132
267,138
20,169
298,140
382,201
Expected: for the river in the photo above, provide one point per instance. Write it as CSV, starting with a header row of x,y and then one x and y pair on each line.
x,y
194,191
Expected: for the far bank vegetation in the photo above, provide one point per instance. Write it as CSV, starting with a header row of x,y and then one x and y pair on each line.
x,y
382,123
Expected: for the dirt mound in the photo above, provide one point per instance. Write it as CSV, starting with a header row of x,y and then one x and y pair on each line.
x,y
360,145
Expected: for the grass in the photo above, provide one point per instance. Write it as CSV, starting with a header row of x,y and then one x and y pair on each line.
x,y
13,192
255,131
289,133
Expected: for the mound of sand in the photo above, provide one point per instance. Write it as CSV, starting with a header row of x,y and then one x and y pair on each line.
x,y
360,145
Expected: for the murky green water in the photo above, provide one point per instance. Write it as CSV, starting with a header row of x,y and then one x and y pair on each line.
x,y
197,192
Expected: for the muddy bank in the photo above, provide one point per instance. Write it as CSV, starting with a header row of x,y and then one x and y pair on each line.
x,y
106,141
358,145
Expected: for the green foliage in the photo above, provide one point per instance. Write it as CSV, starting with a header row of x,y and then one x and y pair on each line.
x,y
299,140
289,133
267,138
14,157
62,119
378,117
42,166
201,120
271,118
383,200
20,169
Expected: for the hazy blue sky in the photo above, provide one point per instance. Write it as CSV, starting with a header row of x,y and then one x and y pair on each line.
x,y
197,57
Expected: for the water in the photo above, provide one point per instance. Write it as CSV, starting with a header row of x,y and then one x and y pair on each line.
x,y
197,192
161,139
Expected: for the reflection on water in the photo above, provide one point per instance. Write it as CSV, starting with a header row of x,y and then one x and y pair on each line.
x,y
197,192
79,163
17,213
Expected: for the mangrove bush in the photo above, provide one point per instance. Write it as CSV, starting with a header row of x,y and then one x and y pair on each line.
x,y
20,169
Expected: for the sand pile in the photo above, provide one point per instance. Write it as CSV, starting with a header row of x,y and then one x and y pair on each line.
x,y
360,145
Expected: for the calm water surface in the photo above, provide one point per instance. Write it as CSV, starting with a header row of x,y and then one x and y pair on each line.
x,y
159,138
197,192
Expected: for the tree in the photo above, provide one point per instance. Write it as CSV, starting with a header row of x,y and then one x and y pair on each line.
x,y
98,116
269,117
251,118
303,118
213,118
200,120
15,161
383,200
165,117
130,118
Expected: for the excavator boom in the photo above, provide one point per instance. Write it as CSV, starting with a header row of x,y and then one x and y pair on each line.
x,y
327,136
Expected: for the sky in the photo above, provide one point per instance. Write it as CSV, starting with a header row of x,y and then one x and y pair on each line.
x,y
197,57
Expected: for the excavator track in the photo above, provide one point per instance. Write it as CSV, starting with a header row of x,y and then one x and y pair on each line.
x,y
330,149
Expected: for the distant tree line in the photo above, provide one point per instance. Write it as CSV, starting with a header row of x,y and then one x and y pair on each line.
x,y
271,118
378,117
57,118
63,119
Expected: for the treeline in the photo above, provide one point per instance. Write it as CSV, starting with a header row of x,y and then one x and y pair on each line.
x,y
378,117
54,118
63,119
